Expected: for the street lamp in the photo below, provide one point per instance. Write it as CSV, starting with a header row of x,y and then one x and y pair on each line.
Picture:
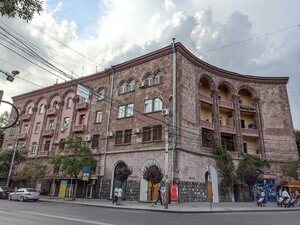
x,y
10,76
165,113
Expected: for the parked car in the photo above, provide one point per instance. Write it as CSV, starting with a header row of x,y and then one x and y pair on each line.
x,y
4,191
23,194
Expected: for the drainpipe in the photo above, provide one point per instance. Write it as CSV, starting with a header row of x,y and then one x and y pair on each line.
x,y
174,118
103,160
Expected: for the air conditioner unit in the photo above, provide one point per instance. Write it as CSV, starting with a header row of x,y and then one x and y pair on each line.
x,y
62,129
87,138
143,84
110,134
165,112
56,142
136,130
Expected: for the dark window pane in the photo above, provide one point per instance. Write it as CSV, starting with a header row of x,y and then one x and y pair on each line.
x,y
119,137
127,136
146,134
95,141
157,135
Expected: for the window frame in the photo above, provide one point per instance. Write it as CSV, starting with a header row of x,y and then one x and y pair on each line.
x,y
158,104
157,133
150,105
121,111
70,102
42,109
127,136
131,86
37,127
99,114
119,137
100,94
66,122
147,136
34,147
131,107
123,88
47,146
95,141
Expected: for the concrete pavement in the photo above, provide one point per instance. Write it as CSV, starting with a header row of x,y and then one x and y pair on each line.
x,y
195,207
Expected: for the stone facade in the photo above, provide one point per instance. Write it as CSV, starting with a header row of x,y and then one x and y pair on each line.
x,y
245,114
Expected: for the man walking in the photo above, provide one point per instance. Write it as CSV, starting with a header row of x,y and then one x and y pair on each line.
x,y
115,200
159,197
120,193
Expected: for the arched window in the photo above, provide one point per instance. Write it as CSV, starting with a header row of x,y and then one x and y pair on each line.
x,y
70,102
123,88
158,79
30,110
157,104
42,108
149,80
55,105
100,94
131,86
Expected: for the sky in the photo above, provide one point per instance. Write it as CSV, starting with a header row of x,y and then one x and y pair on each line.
x,y
80,37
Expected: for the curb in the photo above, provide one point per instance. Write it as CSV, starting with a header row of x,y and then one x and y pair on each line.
x,y
205,211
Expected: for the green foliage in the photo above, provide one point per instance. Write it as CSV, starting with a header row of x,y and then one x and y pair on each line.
x,y
4,118
297,136
249,170
33,171
74,157
225,164
5,160
290,170
123,173
152,174
24,9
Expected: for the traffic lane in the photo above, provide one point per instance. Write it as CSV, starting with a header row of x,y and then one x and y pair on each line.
x,y
98,215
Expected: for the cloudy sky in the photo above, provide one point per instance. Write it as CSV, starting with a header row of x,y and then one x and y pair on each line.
x,y
81,37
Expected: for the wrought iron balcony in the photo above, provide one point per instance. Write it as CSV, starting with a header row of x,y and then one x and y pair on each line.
x,y
51,112
47,133
79,128
22,136
82,106
25,117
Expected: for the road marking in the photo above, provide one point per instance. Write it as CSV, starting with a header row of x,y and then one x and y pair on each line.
x,y
58,217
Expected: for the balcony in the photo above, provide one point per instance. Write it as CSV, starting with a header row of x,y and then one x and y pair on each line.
x,y
206,99
43,153
25,117
228,129
47,133
22,136
82,106
247,107
250,132
252,154
226,104
79,128
207,125
51,112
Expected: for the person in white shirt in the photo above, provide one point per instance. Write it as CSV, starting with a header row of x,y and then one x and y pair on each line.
x,y
115,196
285,194
120,192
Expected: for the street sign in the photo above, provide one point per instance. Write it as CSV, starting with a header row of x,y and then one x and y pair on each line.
x,y
85,176
86,169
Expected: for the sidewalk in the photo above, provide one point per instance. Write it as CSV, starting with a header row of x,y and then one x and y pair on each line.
x,y
195,207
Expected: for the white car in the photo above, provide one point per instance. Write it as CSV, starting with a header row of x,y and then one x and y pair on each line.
x,y
23,194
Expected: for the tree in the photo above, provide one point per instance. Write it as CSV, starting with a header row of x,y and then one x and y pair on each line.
x,y
33,171
24,9
4,117
225,164
153,175
291,169
5,160
73,158
249,170
123,173
297,136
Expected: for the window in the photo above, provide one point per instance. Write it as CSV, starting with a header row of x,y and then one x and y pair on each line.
x,y
51,125
243,123
37,127
70,102
123,88
55,105
148,106
30,110
33,147
245,147
157,104
98,118
95,141
131,86
100,94
42,109
158,78
121,111
62,144
146,134
148,80
47,146
157,134
26,129
129,111
81,119
66,122
119,137
127,136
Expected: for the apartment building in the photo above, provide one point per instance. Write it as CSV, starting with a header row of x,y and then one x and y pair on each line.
x,y
123,122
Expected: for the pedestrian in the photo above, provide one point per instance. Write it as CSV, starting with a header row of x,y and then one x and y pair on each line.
x,y
119,195
285,195
159,197
115,200
263,197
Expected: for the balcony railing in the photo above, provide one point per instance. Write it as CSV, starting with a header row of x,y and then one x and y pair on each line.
x,y
226,104
43,153
47,133
22,136
207,125
25,117
257,155
82,106
79,128
250,132
228,129
247,107
51,112
206,99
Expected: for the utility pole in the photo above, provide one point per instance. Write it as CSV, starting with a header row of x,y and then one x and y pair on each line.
x,y
165,113
12,162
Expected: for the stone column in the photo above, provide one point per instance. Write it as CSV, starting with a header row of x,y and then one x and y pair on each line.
x,y
215,117
237,124
258,121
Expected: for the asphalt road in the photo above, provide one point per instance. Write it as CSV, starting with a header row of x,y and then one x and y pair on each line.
x,y
48,213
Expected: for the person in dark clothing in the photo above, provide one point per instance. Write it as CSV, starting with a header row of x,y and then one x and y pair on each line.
x,y
159,197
